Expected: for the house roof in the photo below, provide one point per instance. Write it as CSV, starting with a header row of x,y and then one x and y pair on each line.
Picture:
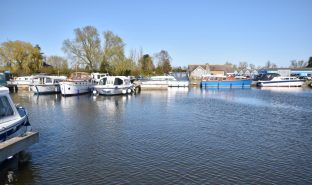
x,y
193,67
225,68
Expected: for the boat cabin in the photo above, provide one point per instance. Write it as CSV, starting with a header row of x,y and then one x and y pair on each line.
x,y
115,80
40,80
214,78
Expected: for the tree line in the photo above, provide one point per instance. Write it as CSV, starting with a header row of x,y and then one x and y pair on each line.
x,y
89,51
86,52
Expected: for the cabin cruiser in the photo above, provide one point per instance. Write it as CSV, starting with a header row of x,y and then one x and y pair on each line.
x,y
162,82
113,85
23,80
13,119
43,84
222,81
77,83
275,80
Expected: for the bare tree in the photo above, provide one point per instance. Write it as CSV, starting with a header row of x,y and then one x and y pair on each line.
x,y
298,64
85,48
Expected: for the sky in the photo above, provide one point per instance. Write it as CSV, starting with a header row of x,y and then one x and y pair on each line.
x,y
192,31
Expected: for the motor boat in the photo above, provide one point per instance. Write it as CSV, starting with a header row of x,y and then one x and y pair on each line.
x,y
222,81
113,85
275,80
77,83
13,119
162,82
44,84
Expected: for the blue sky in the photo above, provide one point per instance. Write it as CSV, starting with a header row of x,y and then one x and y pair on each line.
x,y
192,31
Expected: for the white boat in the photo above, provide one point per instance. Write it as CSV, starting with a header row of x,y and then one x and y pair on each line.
x,y
160,82
23,80
280,81
113,85
13,119
43,84
77,83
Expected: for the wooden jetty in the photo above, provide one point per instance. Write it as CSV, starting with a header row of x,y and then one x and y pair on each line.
x,y
15,145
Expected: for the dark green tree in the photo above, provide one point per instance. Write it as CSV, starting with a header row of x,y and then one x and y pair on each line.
x,y
164,62
147,66
310,62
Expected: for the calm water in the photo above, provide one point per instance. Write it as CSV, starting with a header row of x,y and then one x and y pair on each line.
x,y
180,136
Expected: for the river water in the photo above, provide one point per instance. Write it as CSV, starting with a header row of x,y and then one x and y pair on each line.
x,y
179,136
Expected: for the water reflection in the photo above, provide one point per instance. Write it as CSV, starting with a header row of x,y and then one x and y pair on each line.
x,y
179,136
284,89
111,105
15,169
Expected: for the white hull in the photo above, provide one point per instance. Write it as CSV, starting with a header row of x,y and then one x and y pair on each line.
x,y
16,127
178,84
280,84
75,88
162,82
41,89
113,90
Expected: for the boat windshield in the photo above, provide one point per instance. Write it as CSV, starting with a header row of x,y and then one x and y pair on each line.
x,y
268,76
103,81
118,81
5,107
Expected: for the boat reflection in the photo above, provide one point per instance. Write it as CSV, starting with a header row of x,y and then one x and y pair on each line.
x,y
111,105
283,89
11,169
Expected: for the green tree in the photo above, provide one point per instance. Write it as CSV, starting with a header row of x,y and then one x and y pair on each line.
x,y
36,60
164,62
21,57
147,66
114,59
85,49
59,64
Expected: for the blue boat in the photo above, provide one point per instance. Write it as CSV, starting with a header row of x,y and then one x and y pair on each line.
x,y
220,81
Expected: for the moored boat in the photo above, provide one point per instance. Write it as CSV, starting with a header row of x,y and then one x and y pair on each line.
x,y
22,80
113,85
77,83
43,84
279,81
162,82
221,81
13,119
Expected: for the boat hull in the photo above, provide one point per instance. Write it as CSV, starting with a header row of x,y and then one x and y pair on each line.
x,y
45,89
294,83
18,127
226,84
75,88
106,91
178,84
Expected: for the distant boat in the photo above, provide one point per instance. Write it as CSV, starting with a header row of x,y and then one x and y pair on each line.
x,y
22,80
44,84
275,80
221,81
161,82
113,85
13,119
77,83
